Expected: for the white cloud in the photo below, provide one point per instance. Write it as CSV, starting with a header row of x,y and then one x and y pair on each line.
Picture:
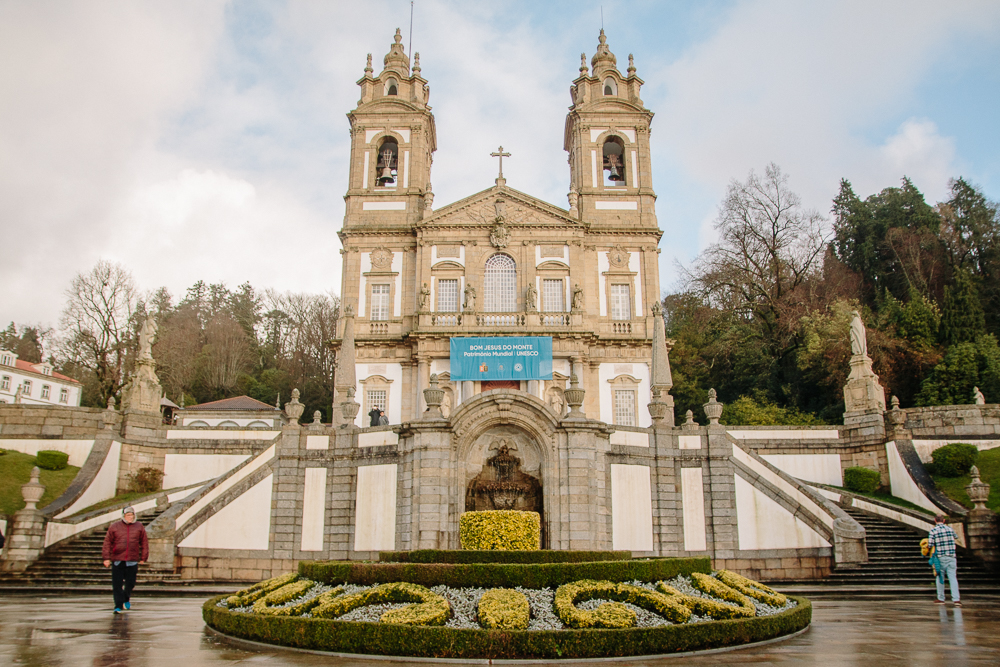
x,y
920,152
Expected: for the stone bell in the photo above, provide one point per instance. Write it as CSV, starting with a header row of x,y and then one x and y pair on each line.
x,y
386,168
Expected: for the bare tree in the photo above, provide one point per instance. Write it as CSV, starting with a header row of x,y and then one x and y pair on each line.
x,y
228,352
97,325
768,247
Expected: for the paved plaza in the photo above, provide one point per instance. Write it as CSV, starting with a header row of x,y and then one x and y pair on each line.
x,y
47,632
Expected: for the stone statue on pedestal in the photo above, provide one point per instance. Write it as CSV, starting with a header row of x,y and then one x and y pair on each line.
x,y
864,397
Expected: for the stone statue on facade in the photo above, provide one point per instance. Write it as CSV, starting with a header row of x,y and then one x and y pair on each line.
x,y
143,391
146,335
978,397
555,401
577,297
864,397
531,299
470,298
425,295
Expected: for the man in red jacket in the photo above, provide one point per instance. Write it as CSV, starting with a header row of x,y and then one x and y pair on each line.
x,y
125,547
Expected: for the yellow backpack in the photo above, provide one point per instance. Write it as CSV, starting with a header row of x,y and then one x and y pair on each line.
x,y
926,549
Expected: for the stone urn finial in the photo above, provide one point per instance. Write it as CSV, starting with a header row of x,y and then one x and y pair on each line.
x,y
349,409
574,397
689,418
978,490
713,409
657,407
33,491
317,417
433,397
293,408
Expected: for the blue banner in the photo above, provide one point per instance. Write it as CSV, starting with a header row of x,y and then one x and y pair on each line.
x,y
507,358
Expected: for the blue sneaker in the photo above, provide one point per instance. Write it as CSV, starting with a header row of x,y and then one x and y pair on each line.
x,y
128,605
118,610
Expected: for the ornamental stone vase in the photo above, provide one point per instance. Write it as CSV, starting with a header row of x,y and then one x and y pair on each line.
x,y
713,409
433,397
978,490
33,491
574,398
349,409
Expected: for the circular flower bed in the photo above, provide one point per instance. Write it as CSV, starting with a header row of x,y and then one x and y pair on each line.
x,y
570,618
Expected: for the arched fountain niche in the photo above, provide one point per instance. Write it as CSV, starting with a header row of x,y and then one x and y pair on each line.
x,y
504,472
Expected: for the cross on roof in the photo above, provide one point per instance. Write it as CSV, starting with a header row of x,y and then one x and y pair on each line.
x,y
500,154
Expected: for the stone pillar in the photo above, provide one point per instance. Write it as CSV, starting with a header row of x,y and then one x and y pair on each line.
x,y
26,533
849,546
533,387
981,523
423,382
468,389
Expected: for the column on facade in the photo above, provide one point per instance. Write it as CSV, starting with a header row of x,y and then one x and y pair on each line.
x,y
423,382
468,390
533,387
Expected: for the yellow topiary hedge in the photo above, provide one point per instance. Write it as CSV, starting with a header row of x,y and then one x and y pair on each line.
x,y
250,595
430,608
568,595
751,588
504,609
711,608
500,530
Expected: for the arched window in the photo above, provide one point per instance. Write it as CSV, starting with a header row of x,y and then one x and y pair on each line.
x,y
388,161
391,87
614,163
500,285
610,87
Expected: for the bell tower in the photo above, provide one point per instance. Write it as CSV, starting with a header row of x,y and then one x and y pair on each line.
x,y
392,143
607,137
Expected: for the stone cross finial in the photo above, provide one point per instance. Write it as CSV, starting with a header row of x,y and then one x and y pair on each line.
x,y
583,64
368,66
416,64
500,154
631,65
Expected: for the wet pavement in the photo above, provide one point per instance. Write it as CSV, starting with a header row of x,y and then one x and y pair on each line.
x,y
169,631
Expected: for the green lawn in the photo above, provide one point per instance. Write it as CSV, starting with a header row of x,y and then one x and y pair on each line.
x,y
15,470
989,471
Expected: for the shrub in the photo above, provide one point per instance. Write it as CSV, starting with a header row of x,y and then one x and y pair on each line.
x,y
751,588
431,608
145,480
443,642
269,604
954,460
862,480
500,575
707,607
503,530
504,609
247,596
464,556
568,595
51,460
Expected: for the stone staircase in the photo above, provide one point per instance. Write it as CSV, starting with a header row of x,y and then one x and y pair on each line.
x,y
77,564
894,560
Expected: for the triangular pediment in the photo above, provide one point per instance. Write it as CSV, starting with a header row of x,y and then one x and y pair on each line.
x,y
518,209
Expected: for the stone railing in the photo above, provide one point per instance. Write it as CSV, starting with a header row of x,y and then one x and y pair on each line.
x,y
500,319
555,319
446,319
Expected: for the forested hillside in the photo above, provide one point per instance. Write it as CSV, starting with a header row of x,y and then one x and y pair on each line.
x,y
764,312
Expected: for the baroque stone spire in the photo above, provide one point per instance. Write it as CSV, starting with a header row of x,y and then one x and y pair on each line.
x,y
397,59
603,59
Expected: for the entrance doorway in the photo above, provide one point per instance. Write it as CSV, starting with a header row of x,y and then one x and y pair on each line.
x,y
487,385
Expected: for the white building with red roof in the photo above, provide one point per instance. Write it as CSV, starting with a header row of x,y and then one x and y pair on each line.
x,y
35,384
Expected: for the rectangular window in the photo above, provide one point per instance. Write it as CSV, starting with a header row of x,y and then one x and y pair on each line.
x,y
380,302
447,293
5,383
621,302
46,389
26,388
64,395
625,407
374,400
553,294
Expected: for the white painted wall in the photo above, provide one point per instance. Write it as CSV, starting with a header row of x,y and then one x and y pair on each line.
x,y
693,502
185,469
631,508
634,266
764,524
925,447
393,373
366,267
689,442
603,266
787,488
56,531
215,421
778,434
206,434
317,442
375,508
901,483
378,439
77,450
606,373
262,459
397,287
630,438
245,523
102,486
821,468
314,509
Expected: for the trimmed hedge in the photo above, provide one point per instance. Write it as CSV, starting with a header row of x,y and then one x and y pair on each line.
x,y
442,642
49,459
500,575
504,609
751,588
707,607
500,530
269,603
953,460
862,480
248,596
430,608
613,614
463,556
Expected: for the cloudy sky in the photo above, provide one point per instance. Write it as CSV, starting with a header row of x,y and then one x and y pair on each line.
x,y
207,140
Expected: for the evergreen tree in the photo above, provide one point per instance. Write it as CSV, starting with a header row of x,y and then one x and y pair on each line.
x,y
962,320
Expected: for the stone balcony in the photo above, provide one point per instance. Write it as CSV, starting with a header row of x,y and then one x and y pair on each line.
x,y
536,324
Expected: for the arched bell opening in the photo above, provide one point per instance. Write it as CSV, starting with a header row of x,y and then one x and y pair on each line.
x,y
614,163
388,162
504,472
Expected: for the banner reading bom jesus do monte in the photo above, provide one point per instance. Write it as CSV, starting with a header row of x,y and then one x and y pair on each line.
x,y
508,358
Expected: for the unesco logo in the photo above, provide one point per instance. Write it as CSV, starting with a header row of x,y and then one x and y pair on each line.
x,y
518,367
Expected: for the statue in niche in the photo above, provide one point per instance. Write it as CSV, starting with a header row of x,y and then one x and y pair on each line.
x,y
859,340
470,298
425,295
556,401
577,297
531,299
446,404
